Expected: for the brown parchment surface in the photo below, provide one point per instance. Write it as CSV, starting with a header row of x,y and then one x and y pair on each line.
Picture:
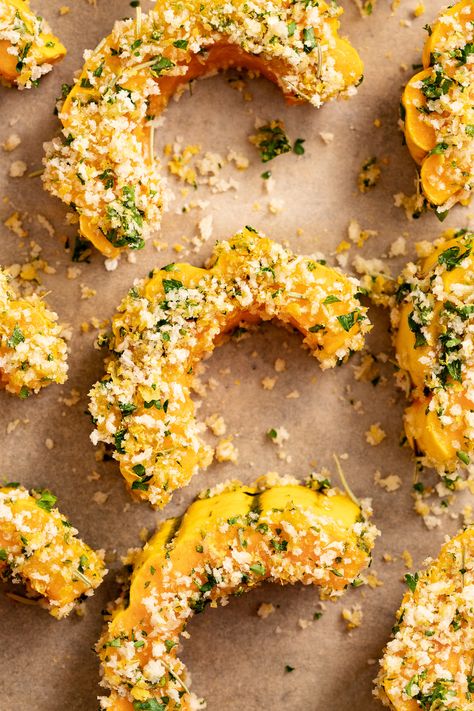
x,y
237,660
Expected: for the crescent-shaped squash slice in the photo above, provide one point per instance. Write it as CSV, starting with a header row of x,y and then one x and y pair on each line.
x,y
227,542
27,46
429,662
438,116
39,547
168,322
435,348
32,351
108,173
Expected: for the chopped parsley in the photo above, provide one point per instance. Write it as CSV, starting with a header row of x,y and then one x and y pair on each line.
x,y
411,581
16,338
46,500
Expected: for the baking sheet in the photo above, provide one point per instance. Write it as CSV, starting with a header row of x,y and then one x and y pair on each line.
x,y
236,658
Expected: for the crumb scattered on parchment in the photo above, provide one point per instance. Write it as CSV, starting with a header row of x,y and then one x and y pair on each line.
x,y
268,383
357,235
367,371
352,616
375,434
14,223
327,137
280,365
369,175
12,142
413,205
73,272
390,483
13,424
49,443
216,424
100,497
265,610
407,559
87,292
373,581
278,435
17,169
226,451
398,248
73,398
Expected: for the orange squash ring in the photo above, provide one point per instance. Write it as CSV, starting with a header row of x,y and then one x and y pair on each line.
x,y
103,163
228,542
438,118
168,322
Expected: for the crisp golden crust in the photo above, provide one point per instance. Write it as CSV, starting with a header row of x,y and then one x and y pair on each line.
x,y
169,321
38,547
27,47
429,662
438,113
434,343
32,351
108,173
227,542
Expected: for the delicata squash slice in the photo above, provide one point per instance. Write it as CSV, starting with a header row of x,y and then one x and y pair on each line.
x,y
103,163
27,46
39,547
227,542
429,663
32,352
438,113
169,321
434,322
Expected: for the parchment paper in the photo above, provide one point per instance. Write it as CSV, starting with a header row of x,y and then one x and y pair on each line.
x,y
236,658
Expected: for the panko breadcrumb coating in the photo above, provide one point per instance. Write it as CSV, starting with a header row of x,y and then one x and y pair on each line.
x,y
435,349
429,662
229,541
169,321
438,112
32,351
103,163
39,547
27,47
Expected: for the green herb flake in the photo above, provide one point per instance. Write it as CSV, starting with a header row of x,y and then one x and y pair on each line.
x,y
16,338
411,581
46,500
